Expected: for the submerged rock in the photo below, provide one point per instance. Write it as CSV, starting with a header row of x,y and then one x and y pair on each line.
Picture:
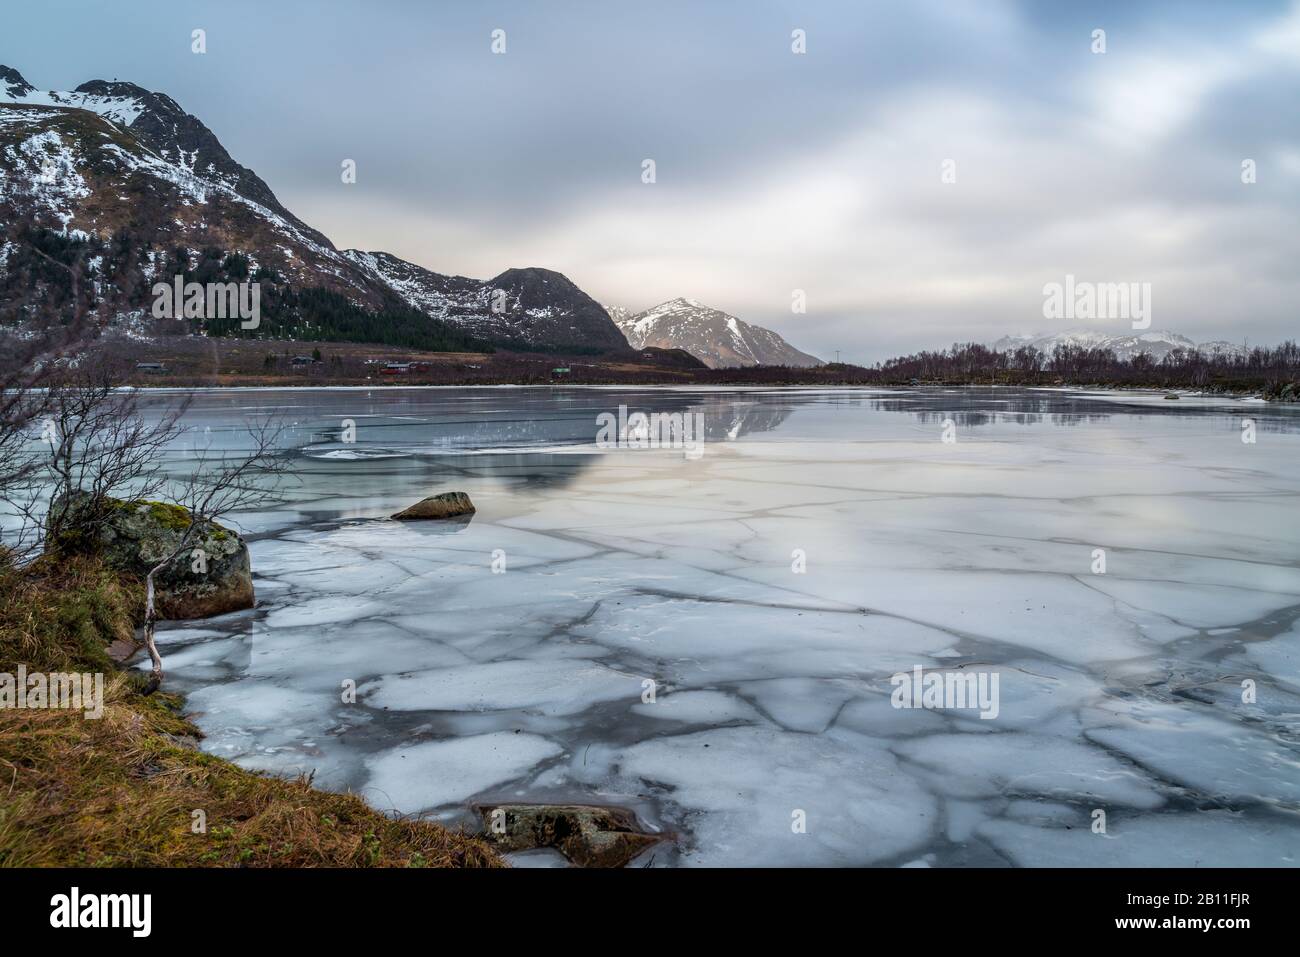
x,y
212,577
443,505
589,836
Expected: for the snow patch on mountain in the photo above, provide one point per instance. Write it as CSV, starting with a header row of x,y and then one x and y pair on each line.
x,y
122,106
122,110
45,169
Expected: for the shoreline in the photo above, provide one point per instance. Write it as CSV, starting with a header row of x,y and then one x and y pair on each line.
x,y
200,363
882,388
132,787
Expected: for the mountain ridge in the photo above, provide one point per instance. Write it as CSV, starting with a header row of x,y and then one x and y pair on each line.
x,y
163,126
1156,343
716,338
113,158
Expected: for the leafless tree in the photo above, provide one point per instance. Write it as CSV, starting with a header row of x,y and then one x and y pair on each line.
x,y
42,331
102,443
1272,370
214,489
93,442
98,442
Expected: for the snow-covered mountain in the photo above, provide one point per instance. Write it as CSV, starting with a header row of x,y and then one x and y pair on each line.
x,y
712,336
533,306
620,315
159,123
116,165
1154,343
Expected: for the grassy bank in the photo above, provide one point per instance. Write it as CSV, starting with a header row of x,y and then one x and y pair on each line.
x,y
123,790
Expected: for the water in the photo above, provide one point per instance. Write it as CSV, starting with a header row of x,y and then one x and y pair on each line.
x,y
825,541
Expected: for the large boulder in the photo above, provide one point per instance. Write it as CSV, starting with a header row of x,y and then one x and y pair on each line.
x,y
444,505
211,577
588,835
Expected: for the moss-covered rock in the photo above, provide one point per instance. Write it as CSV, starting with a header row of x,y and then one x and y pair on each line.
x,y
212,577
588,835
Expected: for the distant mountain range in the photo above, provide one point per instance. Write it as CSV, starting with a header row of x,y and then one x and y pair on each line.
x,y
715,338
131,173
1154,343
153,193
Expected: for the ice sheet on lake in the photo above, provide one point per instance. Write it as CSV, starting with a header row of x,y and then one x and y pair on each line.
x,y
433,773
548,687
768,592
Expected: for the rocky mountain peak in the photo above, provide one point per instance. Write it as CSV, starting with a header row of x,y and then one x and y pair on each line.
x,y
548,305
159,103
12,82
717,339
531,274
161,125
116,88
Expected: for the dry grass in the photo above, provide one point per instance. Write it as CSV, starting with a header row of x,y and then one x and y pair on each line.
x,y
123,790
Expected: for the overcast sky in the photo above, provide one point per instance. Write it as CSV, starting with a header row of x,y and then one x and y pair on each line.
x,y
775,171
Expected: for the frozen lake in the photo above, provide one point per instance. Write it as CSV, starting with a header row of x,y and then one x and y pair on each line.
x,y
711,640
